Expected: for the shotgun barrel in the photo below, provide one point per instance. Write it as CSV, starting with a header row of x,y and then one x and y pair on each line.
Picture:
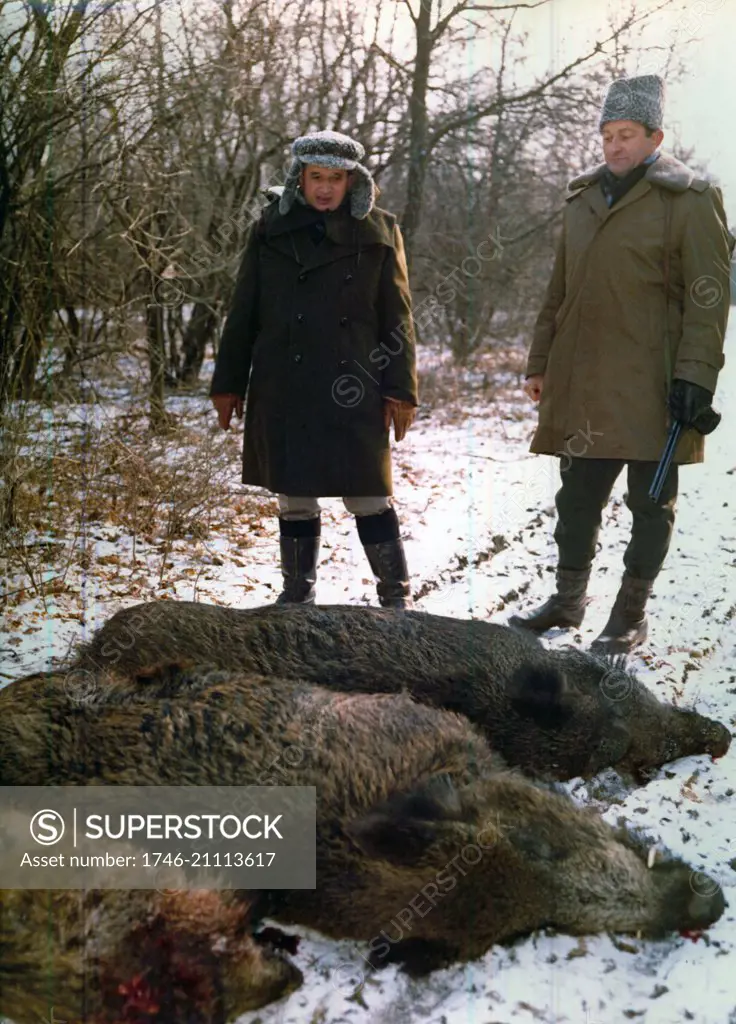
x,y
666,460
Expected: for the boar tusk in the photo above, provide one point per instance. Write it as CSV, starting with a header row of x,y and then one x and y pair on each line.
x,y
651,856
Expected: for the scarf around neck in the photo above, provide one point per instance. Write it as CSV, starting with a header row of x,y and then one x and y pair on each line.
x,y
615,188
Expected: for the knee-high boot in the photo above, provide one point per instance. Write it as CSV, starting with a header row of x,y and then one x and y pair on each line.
x,y
299,542
381,540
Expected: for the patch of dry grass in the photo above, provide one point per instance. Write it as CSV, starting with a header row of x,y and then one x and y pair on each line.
x,y
68,484
447,390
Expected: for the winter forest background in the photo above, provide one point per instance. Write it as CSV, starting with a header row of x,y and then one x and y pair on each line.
x,y
134,139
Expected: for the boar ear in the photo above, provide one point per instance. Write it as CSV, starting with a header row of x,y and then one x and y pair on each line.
x,y
541,693
402,828
434,799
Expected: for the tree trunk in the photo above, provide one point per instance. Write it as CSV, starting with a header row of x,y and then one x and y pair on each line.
x,y
7,348
418,131
460,342
71,353
198,332
157,365
28,355
174,331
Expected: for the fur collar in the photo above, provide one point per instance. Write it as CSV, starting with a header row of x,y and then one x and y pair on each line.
x,y
667,171
377,228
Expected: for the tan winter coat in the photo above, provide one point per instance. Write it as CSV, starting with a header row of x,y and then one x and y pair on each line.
x,y
600,337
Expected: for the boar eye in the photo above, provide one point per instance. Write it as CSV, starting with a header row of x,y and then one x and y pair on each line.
x,y
536,845
613,747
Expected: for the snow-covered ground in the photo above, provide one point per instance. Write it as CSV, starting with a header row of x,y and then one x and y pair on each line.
x,y
478,516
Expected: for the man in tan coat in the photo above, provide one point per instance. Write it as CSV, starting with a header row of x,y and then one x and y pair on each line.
x,y
630,337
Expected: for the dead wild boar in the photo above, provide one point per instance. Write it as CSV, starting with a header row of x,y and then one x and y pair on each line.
x,y
107,956
428,846
554,713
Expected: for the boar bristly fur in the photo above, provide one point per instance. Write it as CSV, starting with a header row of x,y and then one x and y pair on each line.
x,y
425,839
554,713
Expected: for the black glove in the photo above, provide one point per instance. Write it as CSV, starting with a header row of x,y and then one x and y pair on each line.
x,y
691,405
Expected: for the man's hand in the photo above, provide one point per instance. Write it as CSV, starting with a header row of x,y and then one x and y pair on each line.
x,y
226,405
687,401
691,405
400,413
533,386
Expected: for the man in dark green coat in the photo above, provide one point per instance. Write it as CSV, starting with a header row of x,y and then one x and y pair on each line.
x,y
319,341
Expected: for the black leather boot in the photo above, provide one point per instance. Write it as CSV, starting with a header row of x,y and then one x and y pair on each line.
x,y
627,625
379,535
566,607
299,542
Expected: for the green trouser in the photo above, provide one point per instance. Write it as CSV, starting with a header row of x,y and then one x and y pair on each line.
x,y
586,488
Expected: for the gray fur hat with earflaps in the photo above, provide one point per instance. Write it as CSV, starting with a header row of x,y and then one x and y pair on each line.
x,y
331,149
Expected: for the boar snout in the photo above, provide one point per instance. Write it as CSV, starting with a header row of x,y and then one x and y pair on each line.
x,y
718,740
661,739
690,900
698,735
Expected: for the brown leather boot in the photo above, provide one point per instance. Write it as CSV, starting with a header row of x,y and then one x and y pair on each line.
x,y
566,607
627,625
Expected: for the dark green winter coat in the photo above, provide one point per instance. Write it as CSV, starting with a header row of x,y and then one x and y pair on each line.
x,y
316,337
601,338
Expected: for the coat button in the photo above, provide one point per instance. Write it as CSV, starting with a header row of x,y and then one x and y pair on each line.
x,y
343,321
300,317
298,357
302,277
348,277
343,362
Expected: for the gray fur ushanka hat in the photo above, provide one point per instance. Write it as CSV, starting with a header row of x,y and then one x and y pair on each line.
x,y
635,99
331,149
